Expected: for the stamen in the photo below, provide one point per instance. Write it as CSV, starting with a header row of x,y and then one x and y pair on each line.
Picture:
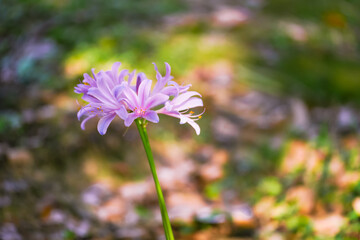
x,y
191,112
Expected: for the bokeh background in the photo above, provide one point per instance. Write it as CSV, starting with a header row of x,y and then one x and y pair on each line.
x,y
278,156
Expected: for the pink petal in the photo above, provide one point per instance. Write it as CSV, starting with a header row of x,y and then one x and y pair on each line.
x,y
195,126
183,97
191,103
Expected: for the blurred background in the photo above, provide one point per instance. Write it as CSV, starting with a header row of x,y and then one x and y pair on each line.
x,y
278,156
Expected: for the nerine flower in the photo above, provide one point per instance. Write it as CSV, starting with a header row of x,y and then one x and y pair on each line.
x,y
110,94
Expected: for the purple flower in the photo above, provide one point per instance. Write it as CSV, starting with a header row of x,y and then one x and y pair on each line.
x,y
103,92
109,94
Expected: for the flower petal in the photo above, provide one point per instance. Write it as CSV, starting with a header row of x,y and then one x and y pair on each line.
x,y
84,110
118,89
122,74
155,100
131,76
88,98
144,91
130,119
191,103
105,84
139,79
114,70
89,79
183,97
122,113
104,123
195,126
151,116
131,98
82,125
95,92
168,70
94,74
158,75
170,90
161,81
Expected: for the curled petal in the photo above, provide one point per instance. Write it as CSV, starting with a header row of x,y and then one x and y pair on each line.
x,y
82,111
191,103
158,75
184,119
82,125
170,90
94,74
168,70
123,73
104,123
195,126
161,81
183,97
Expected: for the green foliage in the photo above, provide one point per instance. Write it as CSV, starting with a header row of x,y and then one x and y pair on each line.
x,y
270,186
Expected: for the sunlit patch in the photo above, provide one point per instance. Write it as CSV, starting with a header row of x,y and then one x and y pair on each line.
x,y
74,66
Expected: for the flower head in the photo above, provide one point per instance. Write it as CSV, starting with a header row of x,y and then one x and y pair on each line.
x,y
109,95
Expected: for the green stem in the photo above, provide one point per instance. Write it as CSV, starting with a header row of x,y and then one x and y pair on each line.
x,y
141,125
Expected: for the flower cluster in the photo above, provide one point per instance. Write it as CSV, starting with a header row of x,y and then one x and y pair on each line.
x,y
113,93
